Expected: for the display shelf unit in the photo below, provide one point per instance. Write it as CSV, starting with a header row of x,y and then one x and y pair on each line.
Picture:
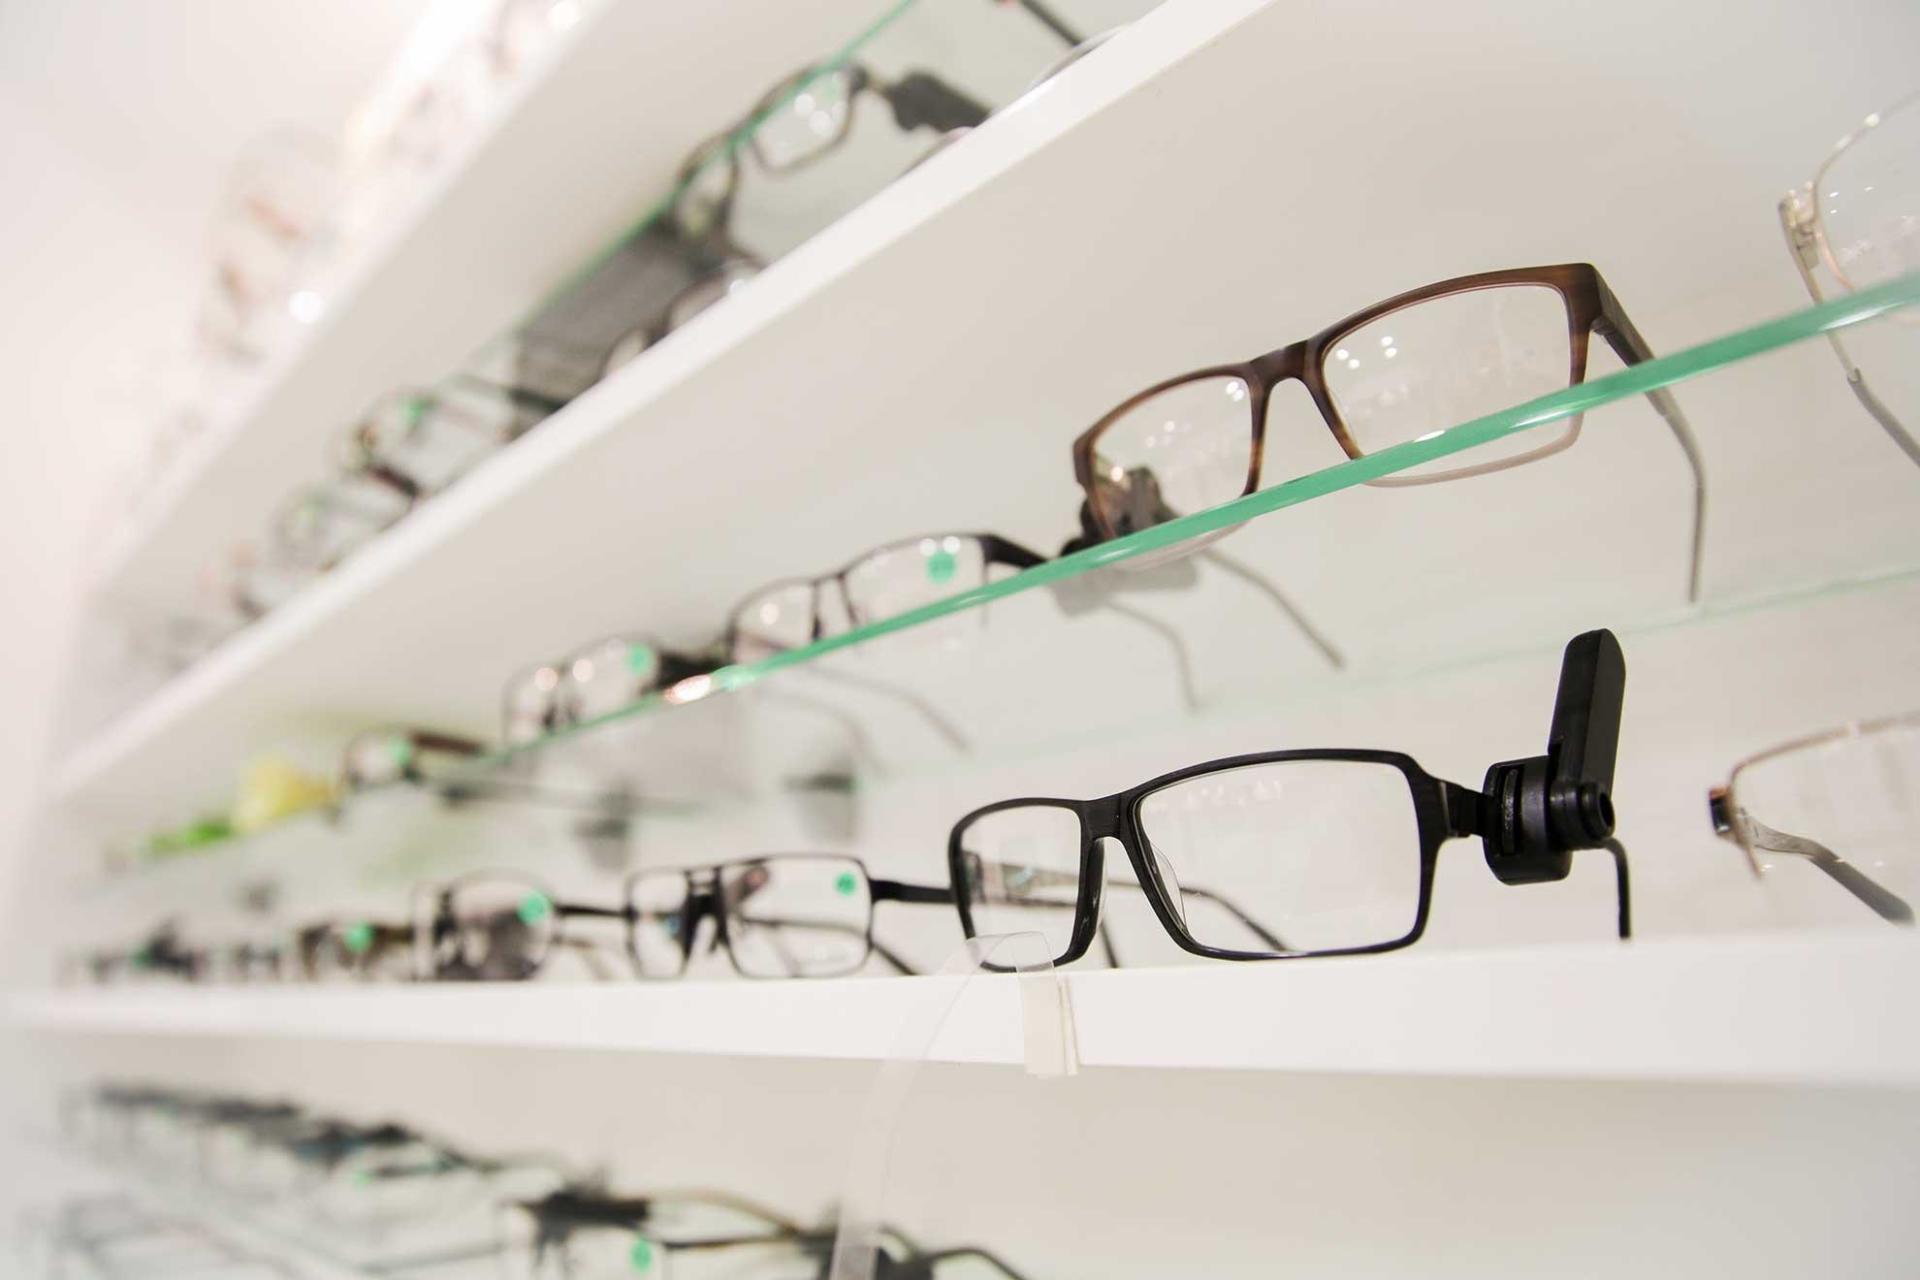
x,y
508,217
1825,1011
1095,601
564,538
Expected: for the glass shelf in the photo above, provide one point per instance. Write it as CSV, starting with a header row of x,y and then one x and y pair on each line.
x,y
987,54
1365,583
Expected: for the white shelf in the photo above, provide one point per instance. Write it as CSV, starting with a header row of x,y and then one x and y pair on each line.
x,y
836,385
1826,1011
566,163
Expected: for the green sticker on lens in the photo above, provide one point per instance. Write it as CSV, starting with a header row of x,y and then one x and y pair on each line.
x,y
640,659
357,938
534,908
640,1257
416,409
941,566
847,884
400,751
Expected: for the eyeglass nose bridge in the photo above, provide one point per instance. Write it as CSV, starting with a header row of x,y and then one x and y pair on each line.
x,y
1103,819
1285,365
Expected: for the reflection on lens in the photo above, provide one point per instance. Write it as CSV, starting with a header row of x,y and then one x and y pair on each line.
x,y
908,575
433,439
626,350
1179,451
727,280
1856,797
1020,872
809,123
797,917
661,925
593,1251
1447,361
1305,855
326,521
779,618
528,711
378,759
496,929
1868,200
608,677
391,1185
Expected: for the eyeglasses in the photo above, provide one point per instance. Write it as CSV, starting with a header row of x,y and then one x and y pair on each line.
x,y
384,757
595,681
1300,853
497,927
719,282
359,950
789,614
419,442
875,585
781,916
1399,370
1859,217
776,916
586,1234
580,1233
803,118
1847,802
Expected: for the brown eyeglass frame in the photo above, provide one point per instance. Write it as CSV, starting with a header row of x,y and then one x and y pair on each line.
x,y
1591,308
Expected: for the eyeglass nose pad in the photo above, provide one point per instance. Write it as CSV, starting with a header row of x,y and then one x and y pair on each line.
x,y
1169,882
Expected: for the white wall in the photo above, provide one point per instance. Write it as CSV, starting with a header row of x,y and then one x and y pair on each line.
x,y
118,121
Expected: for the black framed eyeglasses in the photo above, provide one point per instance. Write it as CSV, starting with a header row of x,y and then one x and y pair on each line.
x,y
390,755
594,681
493,926
796,915
1285,854
582,1232
357,949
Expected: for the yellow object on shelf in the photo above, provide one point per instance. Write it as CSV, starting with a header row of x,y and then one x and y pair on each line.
x,y
273,788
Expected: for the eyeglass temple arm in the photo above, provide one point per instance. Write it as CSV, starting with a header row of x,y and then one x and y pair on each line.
x,y
1464,818
1888,905
1794,225
1618,330
942,726
1259,582
925,1264
778,923
1090,536
1051,21
1041,878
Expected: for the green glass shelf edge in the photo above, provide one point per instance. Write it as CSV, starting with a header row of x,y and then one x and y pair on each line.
x,y
1652,375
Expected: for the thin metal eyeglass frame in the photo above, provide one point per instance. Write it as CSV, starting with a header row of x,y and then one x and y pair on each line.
x,y
1809,247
